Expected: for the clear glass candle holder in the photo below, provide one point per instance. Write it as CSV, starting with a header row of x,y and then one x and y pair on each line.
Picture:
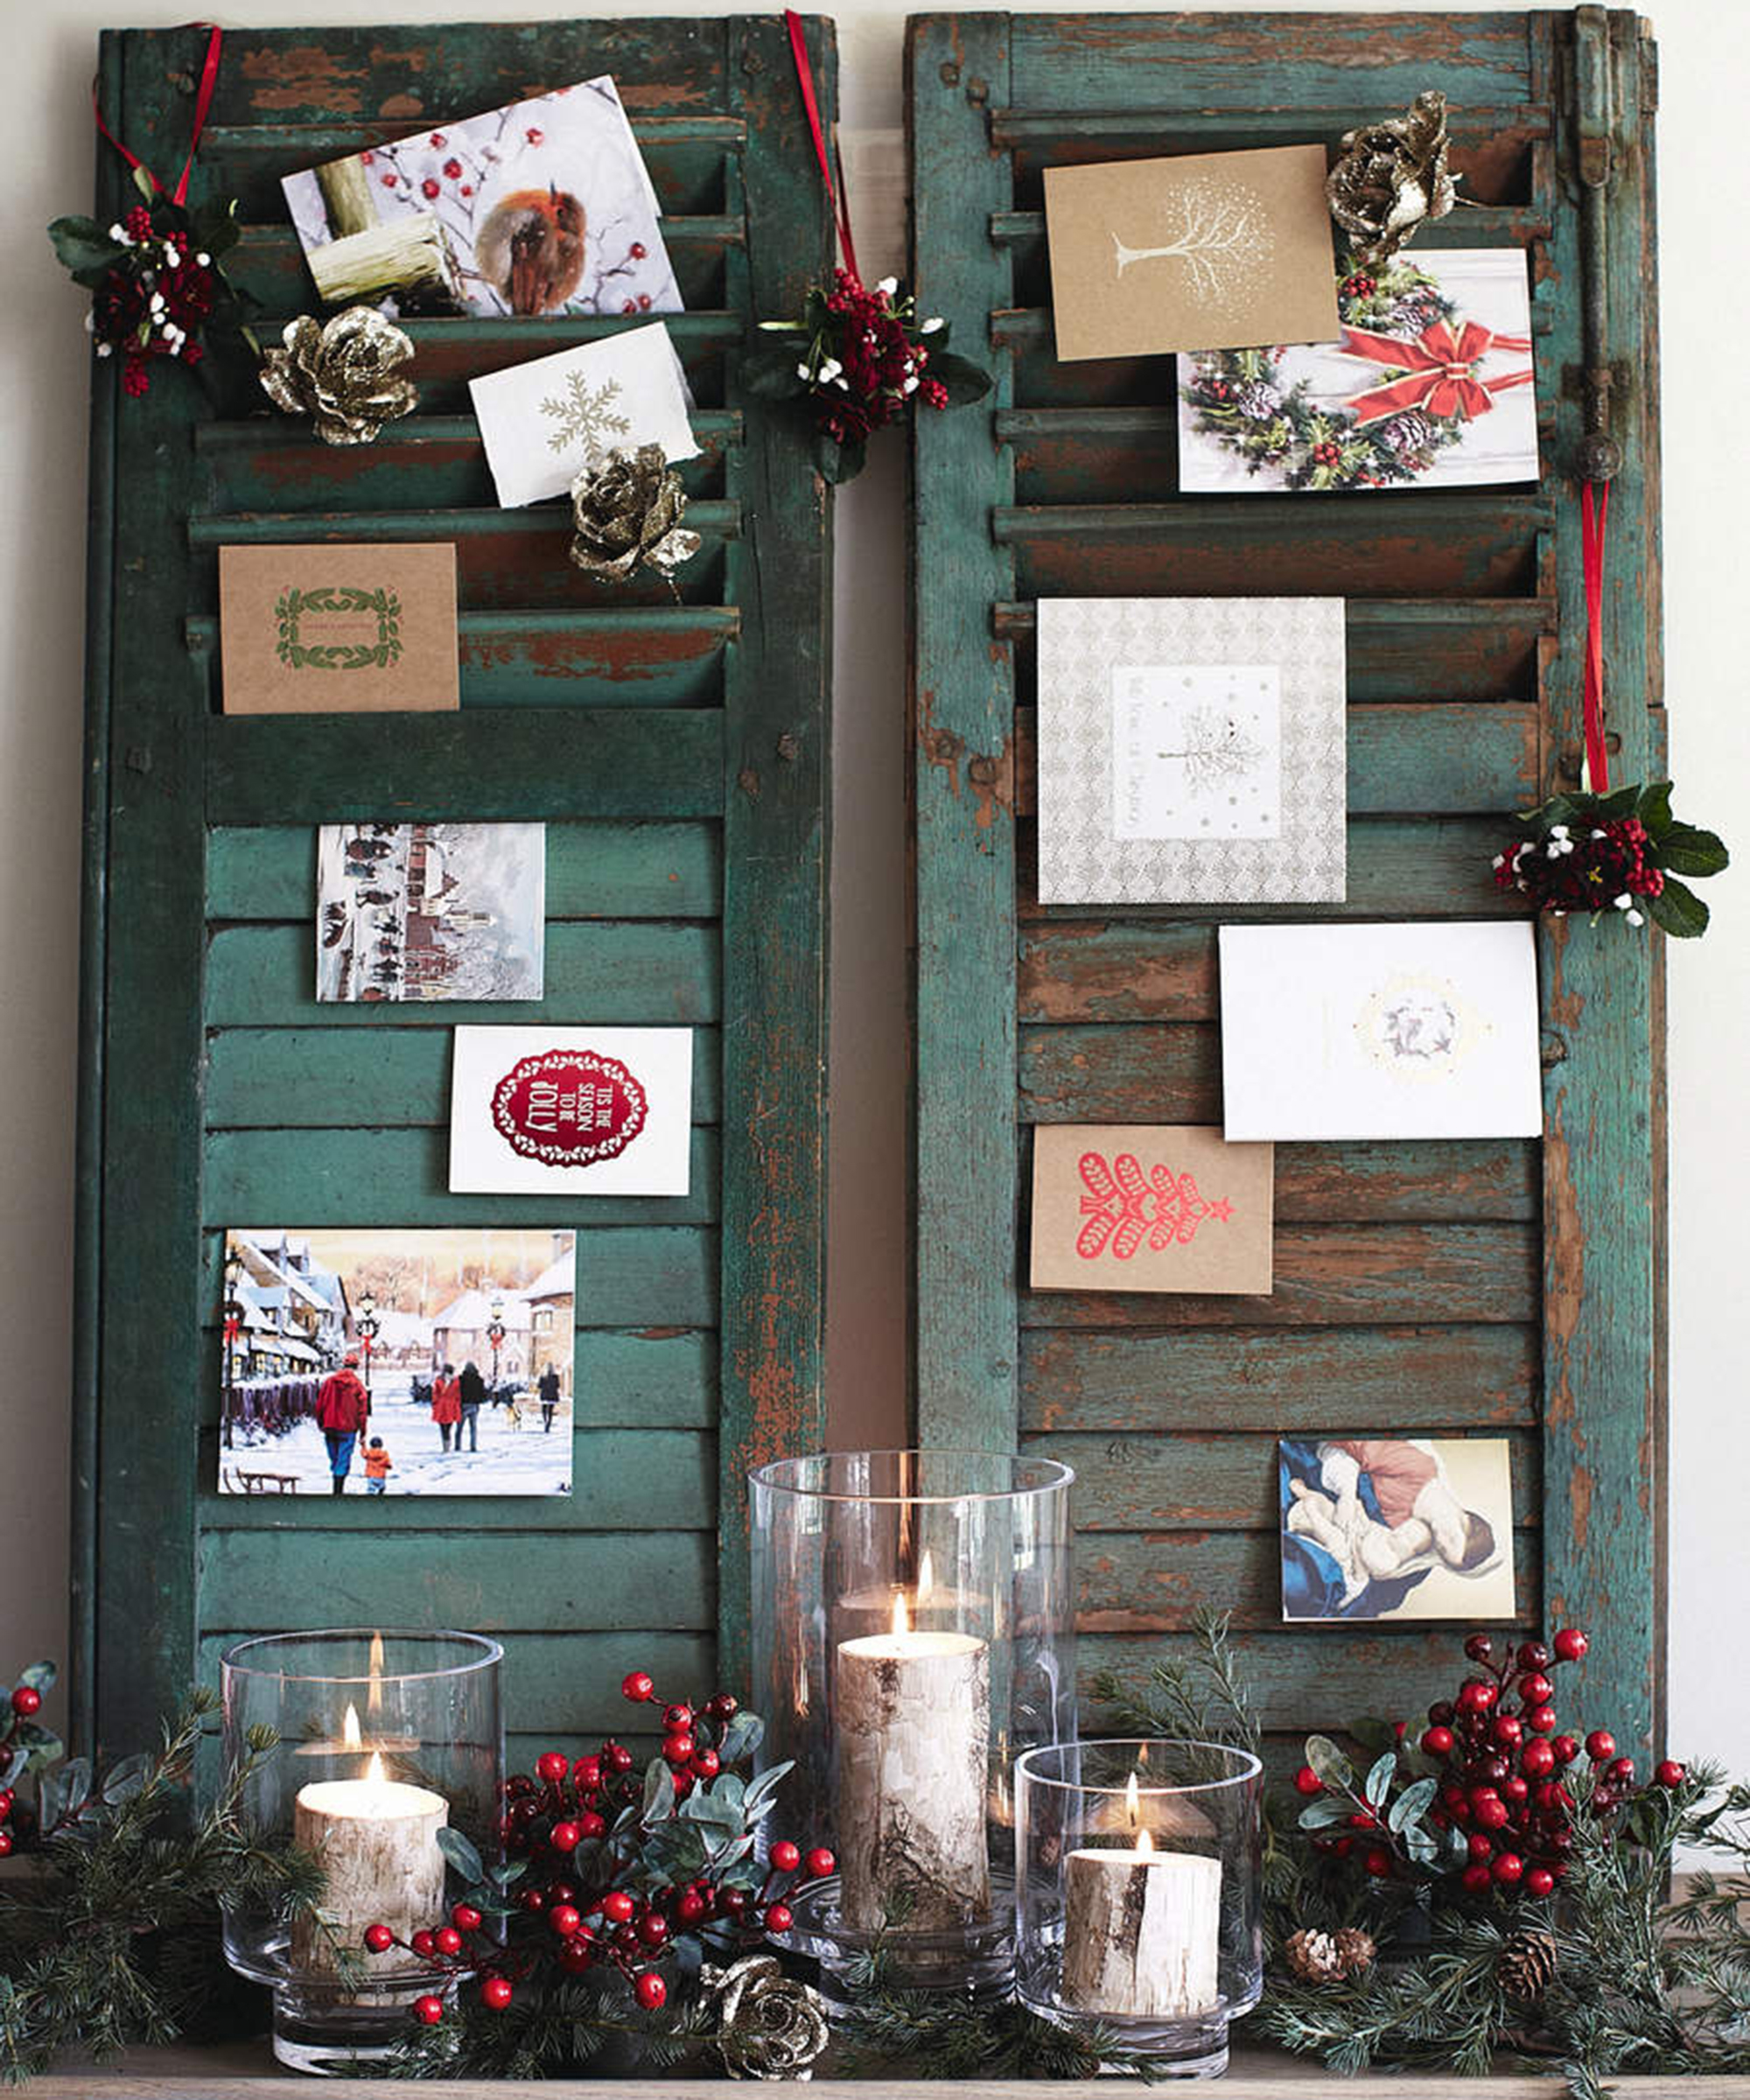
x,y
913,1633
1139,1893
385,1740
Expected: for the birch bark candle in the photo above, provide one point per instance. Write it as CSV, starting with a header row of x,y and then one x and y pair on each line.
x,y
914,1718
377,1839
1142,1931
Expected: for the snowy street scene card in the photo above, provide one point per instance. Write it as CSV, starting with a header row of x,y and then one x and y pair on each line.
x,y
1193,253
1191,751
372,1363
590,1111
1427,381
543,206
544,423
1420,1030
1385,1527
431,911
338,627
1150,1207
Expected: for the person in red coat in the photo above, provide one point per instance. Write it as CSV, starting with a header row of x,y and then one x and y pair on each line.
x,y
342,1408
446,1404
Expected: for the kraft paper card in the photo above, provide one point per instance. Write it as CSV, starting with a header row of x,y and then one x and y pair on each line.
x,y
1407,1031
1204,251
328,628
1150,1207
1384,1526
1191,751
593,1112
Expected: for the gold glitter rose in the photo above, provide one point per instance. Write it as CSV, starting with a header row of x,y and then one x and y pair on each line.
x,y
341,374
1391,177
769,2026
627,513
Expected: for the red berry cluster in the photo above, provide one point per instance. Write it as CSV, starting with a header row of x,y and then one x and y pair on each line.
x,y
154,302
869,360
1583,868
26,1703
561,1821
1327,454
1358,285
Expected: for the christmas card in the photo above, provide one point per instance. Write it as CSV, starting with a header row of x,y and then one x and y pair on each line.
x,y
1209,249
592,1112
332,627
1191,751
1417,1030
431,911
1382,1527
366,1363
1150,1207
544,423
1427,382
543,206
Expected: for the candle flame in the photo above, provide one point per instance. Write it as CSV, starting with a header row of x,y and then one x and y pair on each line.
x,y
902,1620
926,1577
1133,1807
1145,1843
373,1771
373,1702
350,1734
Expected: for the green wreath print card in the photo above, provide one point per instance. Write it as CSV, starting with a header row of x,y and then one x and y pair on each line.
x,y
338,628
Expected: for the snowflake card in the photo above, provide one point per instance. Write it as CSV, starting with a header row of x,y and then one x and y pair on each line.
x,y
1383,1527
1427,382
543,206
1419,1030
430,911
364,1362
1150,1207
592,1112
1191,751
1205,250
544,423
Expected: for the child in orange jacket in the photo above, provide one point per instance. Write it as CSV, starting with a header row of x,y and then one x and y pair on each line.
x,y
377,1465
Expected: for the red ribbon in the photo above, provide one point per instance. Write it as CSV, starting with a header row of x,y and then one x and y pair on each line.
x,y
1441,379
203,102
1594,509
835,196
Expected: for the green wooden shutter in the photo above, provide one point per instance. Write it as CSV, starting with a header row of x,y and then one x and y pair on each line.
x,y
678,754
1507,1287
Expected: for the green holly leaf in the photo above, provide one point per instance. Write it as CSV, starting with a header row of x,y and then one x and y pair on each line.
x,y
1652,806
965,381
1678,910
837,463
772,375
1620,802
1329,1762
1687,850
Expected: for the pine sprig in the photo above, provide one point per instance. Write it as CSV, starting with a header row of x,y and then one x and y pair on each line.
x,y
926,2036
1203,1698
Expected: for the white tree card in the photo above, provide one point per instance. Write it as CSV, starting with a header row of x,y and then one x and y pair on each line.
x,y
1417,1030
1191,751
544,422
597,1111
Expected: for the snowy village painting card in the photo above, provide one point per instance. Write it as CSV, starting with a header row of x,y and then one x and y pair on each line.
x,y
1384,1526
431,911
543,206
590,1111
1427,382
1191,751
1203,249
335,627
367,1363
544,423
1150,1207
1420,1030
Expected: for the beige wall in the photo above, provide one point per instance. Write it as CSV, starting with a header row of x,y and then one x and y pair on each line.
x,y
48,155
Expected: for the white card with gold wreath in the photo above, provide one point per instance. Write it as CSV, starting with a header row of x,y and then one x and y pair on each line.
x,y
544,422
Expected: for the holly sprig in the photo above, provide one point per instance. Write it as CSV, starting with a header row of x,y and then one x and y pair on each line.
x,y
1623,853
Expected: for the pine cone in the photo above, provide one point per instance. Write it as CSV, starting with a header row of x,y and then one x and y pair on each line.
x,y
1527,1966
1313,1956
1355,1949
341,374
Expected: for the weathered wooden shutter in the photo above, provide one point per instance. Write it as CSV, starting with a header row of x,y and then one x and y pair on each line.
x,y
676,751
1479,1287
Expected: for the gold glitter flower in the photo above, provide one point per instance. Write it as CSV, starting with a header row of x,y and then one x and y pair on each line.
x,y
341,374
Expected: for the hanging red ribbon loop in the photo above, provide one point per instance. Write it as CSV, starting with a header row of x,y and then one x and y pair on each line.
x,y
1594,509
203,102
834,194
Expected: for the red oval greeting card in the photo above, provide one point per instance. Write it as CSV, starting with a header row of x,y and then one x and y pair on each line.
x,y
568,1107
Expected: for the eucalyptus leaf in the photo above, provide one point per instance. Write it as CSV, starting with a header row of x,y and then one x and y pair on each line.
x,y
1412,1804
1422,1846
1379,1780
741,1738
659,1791
75,1784
124,1781
461,1851
1322,1813
48,1802
1329,1762
40,1676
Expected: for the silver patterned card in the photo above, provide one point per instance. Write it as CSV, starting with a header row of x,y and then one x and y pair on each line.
x,y
1191,751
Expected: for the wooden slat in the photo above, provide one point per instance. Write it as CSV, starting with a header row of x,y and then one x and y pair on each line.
x,y
1412,1379
325,769
594,870
1342,1276
652,973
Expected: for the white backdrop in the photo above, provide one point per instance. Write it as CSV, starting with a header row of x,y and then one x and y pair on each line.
x,y
47,150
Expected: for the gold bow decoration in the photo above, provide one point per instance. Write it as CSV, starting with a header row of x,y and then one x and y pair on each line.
x,y
627,513
1391,177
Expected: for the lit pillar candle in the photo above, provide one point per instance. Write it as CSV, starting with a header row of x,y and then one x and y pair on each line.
x,y
912,1713
377,1841
1141,1928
